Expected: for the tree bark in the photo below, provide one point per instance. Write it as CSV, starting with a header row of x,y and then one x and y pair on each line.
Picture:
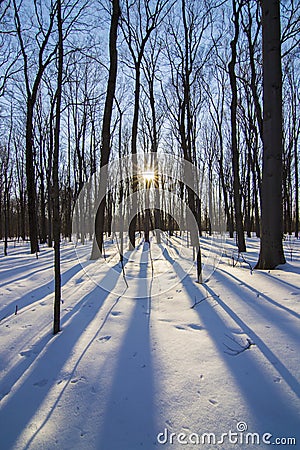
x,y
271,249
105,149
296,190
234,145
56,212
30,179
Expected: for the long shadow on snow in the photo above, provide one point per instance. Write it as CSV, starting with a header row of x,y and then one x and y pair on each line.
x,y
248,374
29,356
38,293
29,396
270,315
16,265
278,280
27,274
289,268
259,294
129,415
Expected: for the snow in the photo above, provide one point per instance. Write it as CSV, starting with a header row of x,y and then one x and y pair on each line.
x,y
165,355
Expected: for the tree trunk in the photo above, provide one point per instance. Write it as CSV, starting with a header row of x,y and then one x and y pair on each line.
x,y
56,215
271,249
30,177
43,232
234,145
296,191
134,133
105,150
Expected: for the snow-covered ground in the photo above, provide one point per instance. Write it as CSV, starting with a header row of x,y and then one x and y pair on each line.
x,y
157,364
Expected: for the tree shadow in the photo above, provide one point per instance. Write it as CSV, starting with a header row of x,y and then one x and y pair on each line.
x,y
278,280
261,393
129,414
258,293
38,294
43,369
24,277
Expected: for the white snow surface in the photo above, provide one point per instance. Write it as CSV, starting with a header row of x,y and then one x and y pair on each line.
x,y
130,363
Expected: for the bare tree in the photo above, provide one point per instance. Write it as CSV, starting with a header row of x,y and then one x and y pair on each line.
x,y
9,56
55,176
271,249
236,6
216,96
44,58
139,20
106,129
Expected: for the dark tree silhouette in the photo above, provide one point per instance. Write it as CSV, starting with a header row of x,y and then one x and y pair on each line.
x,y
271,249
56,212
105,149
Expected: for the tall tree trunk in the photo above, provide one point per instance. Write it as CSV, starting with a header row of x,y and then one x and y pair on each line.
x,y
225,197
6,209
296,190
253,75
234,145
134,133
271,249
154,150
43,232
105,150
30,177
56,215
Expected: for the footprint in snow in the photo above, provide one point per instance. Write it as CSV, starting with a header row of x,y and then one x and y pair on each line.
x,y
26,353
178,327
75,380
277,380
41,383
104,338
194,326
116,313
213,402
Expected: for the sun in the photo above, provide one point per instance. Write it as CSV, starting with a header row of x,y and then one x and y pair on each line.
x,y
148,175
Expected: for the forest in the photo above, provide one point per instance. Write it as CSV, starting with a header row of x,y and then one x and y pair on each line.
x,y
149,192
85,82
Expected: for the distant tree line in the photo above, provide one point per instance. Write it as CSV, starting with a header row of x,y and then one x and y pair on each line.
x,y
84,82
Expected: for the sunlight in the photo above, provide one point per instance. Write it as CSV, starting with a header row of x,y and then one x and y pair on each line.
x,y
148,175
